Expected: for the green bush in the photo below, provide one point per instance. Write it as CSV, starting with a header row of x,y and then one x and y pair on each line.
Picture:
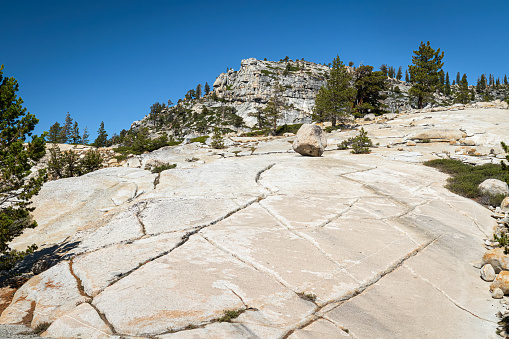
x,y
360,144
294,128
466,178
159,167
217,139
68,164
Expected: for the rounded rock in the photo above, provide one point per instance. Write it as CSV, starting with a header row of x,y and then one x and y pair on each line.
x,y
310,141
496,258
488,273
493,187
504,205
497,293
501,281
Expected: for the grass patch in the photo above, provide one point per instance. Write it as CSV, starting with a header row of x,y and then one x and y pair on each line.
x,y
466,178
162,167
201,139
307,296
229,315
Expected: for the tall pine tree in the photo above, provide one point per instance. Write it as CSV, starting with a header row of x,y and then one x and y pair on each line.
x,y
425,71
102,136
334,100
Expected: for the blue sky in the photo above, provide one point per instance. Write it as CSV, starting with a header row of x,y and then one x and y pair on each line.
x,y
111,60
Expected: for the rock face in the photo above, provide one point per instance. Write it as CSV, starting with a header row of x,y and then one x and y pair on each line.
x,y
310,141
493,187
297,247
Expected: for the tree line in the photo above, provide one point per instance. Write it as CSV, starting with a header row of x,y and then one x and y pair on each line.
x,y
69,133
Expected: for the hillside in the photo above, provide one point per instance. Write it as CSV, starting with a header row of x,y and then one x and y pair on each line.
x,y
256,241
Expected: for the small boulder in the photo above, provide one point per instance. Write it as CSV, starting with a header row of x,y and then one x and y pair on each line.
x,y
488,273
504,205
497,259
369,117
493,187
497,293
310,141
501,281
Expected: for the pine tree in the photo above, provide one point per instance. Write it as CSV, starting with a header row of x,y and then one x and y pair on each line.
x,y
458,78
85,136
75,134
334,100
391,72
102,136
207,88
407,77
447,87
427,64
66,131
54,133
370,87
472,95
198,91
399,75
273,111
463,94
384,69
505,79
16,161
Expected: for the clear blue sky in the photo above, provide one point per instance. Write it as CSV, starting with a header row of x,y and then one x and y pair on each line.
x,y
111,60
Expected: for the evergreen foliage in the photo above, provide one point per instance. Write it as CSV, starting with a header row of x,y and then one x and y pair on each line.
x,y
447,86
425,73
269,116
463,95
68,164
102,136
407,77
54,133
334,100
399,75
16,160
360,144
85,136
369,86
207,88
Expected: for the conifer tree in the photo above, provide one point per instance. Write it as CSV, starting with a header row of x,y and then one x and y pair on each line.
x,y
458,78
75,134
384,69
427,65
334,100
102,136
66,131
407,77
16,161
198,91
447,87
505,79
85,136
207,88
54,133
369,86
463,93
399,75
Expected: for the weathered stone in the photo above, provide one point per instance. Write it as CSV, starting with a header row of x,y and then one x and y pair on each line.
x,y
82,322
310,141
497,293
493,187
369,117
504,205
488,273
501,281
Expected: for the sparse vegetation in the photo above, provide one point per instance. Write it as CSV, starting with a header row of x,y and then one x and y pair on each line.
x,y
307,296
158,167
68,164
360,144
202,139
466,178
42,327
229,315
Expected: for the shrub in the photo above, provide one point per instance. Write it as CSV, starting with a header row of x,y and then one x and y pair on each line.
x,y
466,178
158,167
68,164
41,328
360,144
294,128
217,139
229,315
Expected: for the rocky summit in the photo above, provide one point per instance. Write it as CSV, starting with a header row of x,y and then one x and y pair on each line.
x,y
257,241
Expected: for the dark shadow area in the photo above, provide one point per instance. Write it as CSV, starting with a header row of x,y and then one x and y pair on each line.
x,y
34,264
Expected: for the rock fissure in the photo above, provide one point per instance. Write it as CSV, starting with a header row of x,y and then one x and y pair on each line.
x,y
357,291
156,180
454,302
104,319
79,283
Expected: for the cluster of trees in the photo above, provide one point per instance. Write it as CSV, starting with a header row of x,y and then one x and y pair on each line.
x,y
69,133
197,93
358,92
